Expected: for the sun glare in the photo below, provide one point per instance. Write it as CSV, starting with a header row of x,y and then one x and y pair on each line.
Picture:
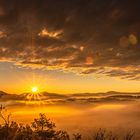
x,y
34,89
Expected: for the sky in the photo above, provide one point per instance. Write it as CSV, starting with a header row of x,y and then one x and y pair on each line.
x,y
69,46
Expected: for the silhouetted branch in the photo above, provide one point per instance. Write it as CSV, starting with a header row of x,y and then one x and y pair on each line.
x,y
43,129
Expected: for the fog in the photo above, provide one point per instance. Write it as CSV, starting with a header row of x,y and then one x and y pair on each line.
x,y
83,113
83,118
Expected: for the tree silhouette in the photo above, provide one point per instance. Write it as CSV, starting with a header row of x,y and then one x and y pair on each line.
x,y
6,120
43,129
42,123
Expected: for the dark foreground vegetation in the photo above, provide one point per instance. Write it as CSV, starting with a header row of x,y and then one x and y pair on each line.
x,y
43,129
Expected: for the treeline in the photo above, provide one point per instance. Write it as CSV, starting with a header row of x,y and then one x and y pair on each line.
x,y
43,129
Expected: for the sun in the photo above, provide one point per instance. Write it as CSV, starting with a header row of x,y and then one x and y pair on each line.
x,y
34,89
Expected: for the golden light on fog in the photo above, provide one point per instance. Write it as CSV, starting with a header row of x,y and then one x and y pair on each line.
x,y
34,89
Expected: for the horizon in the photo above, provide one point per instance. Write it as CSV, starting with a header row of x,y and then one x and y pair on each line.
x,y
123,92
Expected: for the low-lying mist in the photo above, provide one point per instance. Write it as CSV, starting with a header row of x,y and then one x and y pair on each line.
x,y
83,114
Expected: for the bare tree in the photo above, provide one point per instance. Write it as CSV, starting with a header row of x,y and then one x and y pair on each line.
x,y
6,119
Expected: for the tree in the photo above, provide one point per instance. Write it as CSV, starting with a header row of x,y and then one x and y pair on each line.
x,y
6,120
42,123
62,135
44,127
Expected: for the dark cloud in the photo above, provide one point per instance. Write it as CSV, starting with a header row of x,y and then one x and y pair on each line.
x,y
92,36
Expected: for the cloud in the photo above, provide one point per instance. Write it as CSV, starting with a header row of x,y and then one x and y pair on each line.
x,y
53,98
46,33
84,36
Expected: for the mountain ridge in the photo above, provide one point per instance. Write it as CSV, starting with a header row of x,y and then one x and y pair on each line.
x,y
61,98
2,93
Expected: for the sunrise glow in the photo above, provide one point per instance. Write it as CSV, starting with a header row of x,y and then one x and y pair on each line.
x,y
34,89
69,69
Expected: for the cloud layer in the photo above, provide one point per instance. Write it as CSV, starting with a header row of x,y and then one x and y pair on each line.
x,y
92,36
46,98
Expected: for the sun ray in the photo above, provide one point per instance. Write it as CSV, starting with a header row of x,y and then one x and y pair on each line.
x,y
34,89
